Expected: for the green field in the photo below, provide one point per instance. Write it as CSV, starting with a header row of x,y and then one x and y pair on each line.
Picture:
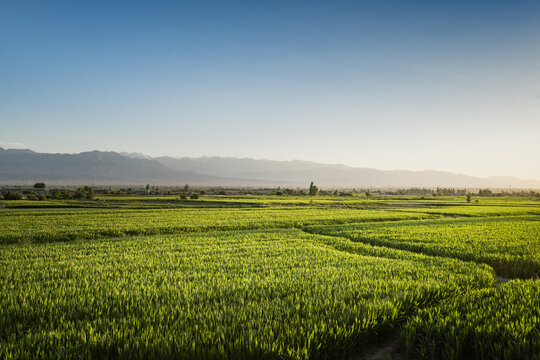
x,y
20,226
265,293
495,323
511,245
269,277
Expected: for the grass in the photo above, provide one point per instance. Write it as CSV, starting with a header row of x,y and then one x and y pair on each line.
x,y
511,245
32,226
497,323
256,294
268,277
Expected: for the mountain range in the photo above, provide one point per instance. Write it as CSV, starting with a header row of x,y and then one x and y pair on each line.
x,y
107,167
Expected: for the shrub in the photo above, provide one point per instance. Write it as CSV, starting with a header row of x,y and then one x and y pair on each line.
x,y
11,195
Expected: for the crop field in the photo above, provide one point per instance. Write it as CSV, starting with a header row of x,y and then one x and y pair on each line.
x,y
482,210
510,245
496,323
18,226
275,293
392,277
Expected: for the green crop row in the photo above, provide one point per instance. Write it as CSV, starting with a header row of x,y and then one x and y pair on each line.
x,y
47,226
513,208
498,323
510,245
252,294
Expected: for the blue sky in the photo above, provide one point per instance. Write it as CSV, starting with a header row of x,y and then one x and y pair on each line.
x,y
447,85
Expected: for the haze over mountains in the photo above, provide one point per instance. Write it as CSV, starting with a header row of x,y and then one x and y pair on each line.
x,y
106,167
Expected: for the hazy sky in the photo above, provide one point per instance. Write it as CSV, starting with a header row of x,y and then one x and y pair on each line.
x,y
447,85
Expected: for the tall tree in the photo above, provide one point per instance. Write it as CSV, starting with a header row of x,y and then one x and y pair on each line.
x,y
313,190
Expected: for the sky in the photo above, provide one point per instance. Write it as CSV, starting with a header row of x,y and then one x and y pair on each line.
x,y
417,85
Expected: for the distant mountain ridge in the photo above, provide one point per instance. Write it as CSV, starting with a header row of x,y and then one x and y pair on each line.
x,y
107,167
302,172
94,166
